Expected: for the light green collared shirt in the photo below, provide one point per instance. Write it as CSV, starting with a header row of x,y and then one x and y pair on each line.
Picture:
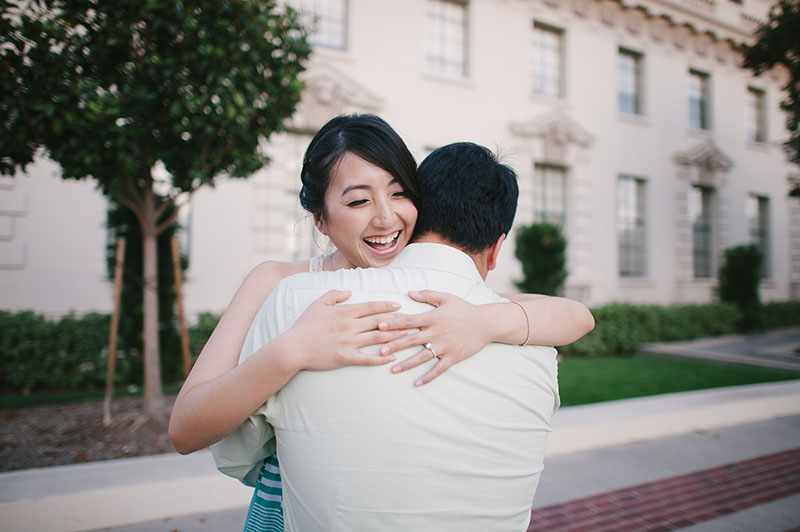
x,y
361,448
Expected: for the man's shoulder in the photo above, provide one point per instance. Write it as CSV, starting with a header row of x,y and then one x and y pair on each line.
x,y
348,279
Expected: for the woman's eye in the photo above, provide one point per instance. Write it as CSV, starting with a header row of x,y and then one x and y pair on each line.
x,y
400,194
356,203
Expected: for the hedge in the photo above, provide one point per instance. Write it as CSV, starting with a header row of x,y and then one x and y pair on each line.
x,y
72,352
623,328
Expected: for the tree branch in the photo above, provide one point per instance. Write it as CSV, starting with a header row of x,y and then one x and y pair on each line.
x,y
170,219
164,205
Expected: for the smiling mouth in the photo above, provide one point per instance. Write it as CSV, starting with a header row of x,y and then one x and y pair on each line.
x,y
382,243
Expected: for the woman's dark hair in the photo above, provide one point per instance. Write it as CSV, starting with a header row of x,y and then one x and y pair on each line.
x,y
365,135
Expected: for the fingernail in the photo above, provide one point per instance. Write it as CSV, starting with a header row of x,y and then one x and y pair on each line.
x,y
391,358
396,369
395,305
419,383
383,325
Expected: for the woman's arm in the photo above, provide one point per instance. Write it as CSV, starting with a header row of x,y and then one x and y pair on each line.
x,y
458,329
219,395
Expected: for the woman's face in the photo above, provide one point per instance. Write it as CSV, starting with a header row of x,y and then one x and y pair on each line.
x,y
368,217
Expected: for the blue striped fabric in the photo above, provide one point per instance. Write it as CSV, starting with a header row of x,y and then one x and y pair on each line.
x,y
266,507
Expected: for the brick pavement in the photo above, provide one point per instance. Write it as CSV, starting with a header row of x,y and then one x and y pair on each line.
x,y
677,502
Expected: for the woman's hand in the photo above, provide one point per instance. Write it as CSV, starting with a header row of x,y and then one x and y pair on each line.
x,y
454,329
330,336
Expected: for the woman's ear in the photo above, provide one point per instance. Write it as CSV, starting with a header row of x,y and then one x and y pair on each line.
x,y
319,223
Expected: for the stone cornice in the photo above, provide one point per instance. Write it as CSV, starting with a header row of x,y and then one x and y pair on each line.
x,y
688,25
706,156
329,92
556,126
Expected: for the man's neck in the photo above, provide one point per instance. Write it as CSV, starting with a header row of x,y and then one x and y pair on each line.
x,y
434,238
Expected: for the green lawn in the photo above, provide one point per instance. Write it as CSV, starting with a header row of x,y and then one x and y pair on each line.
x,y
591,380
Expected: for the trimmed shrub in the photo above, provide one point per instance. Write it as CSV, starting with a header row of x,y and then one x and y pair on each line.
x,y
623,328
201,331
541,249
779,314
71,353
739,277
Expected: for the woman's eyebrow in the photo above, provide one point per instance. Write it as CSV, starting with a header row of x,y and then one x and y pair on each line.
x,y
367,187
355,187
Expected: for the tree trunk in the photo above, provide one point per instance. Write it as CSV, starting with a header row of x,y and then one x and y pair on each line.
x,y
153,395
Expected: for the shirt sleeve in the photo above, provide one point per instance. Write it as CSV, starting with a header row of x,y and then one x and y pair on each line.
x,y
241,454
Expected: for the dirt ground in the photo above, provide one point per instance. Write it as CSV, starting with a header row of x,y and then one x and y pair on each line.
x,y
71,433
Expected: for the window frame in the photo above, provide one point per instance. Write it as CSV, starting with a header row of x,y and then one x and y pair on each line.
x,y
704,100
706,229
542,211
313,9
757,111
759,233
462,70
637,224
560,33
638,75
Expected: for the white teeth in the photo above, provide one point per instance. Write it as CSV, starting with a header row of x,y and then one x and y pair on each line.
x,y
383,239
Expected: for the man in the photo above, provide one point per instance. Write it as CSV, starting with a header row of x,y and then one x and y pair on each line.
x,y
361,448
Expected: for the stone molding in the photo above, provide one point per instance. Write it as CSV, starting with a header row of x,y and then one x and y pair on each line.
x,y
709,161
329,92
703,164
557,132
686,25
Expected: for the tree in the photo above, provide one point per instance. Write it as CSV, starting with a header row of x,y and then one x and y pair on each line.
x,y
122,223
541,249
113,90
778,43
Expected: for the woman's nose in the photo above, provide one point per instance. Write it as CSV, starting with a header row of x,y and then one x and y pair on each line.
x,y
384,215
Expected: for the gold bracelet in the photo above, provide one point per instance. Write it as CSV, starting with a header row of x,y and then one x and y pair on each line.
x,y
527,324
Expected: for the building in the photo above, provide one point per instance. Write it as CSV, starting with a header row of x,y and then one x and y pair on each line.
x,y
631,124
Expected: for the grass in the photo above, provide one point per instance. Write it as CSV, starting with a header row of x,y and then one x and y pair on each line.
x,y
72,396
591,380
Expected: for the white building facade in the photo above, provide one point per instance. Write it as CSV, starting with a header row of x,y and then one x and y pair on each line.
x,y
630,124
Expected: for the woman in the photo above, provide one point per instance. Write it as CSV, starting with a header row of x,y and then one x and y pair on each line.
x,y
359,183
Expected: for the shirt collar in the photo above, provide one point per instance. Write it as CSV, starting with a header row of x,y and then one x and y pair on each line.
x,y
440,257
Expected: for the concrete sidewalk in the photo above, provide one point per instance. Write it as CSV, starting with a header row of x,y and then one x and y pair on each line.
x,y
773,349
173,492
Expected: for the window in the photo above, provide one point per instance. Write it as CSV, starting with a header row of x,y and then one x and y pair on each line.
x,y
630,226
447,38
550,194
548,54
327,20
698,100
629,82
700,216
756,123
757,213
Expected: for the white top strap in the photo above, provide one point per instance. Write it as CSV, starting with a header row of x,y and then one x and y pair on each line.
x,y
315,263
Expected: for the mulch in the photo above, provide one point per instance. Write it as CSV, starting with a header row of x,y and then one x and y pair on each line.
x,y
61,434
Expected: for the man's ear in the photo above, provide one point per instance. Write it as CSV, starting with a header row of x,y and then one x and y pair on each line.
x,y
494,250
319,223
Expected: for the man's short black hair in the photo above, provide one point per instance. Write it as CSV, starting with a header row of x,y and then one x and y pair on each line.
x,y
467,196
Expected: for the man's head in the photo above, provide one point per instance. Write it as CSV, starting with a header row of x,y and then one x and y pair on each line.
x,y
468,200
